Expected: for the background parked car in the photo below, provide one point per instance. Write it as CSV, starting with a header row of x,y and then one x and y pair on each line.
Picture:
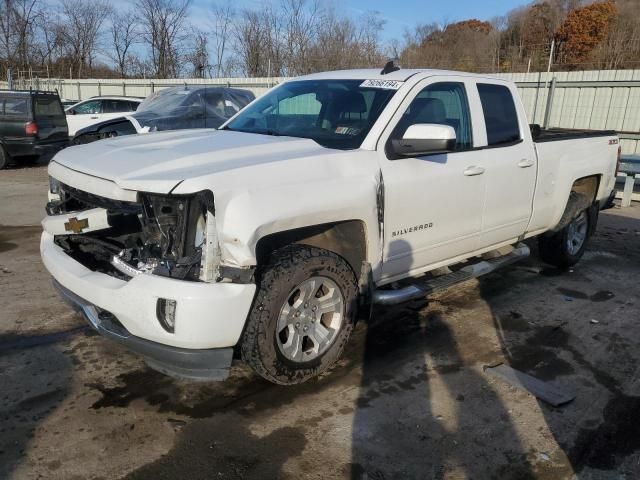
x,y
98,109
32,123
189,106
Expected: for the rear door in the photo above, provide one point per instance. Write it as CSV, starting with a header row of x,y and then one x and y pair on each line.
x,y
50,117
114,108
510,164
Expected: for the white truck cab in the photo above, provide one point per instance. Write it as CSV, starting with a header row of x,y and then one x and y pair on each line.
x,y
268,235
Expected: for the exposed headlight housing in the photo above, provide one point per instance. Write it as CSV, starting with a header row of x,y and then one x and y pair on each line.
x,y
54,185
210,259
180,238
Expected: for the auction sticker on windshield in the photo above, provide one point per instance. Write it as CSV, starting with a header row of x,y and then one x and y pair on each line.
x,y
385,84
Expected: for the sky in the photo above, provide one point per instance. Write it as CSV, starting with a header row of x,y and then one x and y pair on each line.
x,y
402,14
398,14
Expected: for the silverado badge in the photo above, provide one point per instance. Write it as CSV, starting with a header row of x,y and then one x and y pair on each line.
x,y
76,226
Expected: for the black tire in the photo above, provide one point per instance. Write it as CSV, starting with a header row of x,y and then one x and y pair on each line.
x,y
289,267
4,158
554,247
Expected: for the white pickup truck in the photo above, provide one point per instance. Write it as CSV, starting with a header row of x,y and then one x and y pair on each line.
x,y
328,194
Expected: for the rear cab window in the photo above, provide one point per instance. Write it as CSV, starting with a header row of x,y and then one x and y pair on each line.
x,y
500,115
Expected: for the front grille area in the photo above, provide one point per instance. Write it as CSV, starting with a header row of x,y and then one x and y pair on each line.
x,y
152,236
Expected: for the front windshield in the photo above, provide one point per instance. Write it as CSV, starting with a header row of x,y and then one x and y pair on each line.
x,y
164,101
334,113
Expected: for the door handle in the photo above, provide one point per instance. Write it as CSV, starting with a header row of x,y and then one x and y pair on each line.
x,y
94,118
525,162
473,170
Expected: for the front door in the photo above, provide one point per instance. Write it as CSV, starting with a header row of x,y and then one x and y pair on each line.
x,y
83,115
432,204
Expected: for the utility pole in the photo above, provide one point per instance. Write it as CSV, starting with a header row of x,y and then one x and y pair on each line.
x,y
553,47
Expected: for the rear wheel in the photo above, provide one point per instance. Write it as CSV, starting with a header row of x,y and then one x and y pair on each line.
x,y
302,315
565,247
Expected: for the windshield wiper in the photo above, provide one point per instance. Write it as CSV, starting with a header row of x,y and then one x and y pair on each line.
x,y
270,132
267,131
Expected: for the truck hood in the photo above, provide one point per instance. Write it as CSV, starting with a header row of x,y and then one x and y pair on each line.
x,y
158,162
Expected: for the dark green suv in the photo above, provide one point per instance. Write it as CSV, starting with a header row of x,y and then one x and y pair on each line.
x,y
32,123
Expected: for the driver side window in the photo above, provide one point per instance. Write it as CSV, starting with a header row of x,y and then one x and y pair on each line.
x,y
444,104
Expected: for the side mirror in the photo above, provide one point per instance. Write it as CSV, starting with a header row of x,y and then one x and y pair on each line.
x,y
425,138
70,112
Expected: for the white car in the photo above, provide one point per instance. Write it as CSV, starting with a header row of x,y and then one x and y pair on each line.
x,y
98,109
329,193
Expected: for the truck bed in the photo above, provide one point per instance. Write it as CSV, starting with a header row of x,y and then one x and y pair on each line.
x,y
541,135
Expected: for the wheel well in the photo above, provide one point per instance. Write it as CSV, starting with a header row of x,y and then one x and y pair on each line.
x,y
588,186
347,239
582,196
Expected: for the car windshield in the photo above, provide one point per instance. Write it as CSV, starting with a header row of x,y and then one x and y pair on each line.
x,y
164,101
333,113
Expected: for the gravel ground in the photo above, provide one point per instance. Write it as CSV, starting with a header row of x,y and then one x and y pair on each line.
x,y
410,398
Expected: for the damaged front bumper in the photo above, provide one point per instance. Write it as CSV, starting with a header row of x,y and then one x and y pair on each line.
x,y
209,317
202,364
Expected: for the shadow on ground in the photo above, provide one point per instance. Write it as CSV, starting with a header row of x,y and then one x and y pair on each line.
x,y
36,378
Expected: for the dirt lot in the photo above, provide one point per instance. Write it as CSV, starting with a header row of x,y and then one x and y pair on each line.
x,y
410,399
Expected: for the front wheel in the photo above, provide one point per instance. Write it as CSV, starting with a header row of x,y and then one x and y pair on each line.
x,y
565,247
302,315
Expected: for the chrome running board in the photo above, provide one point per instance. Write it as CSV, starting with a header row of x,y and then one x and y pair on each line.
x,y
424,287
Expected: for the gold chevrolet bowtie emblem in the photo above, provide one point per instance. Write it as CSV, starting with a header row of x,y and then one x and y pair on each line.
x,y
76,226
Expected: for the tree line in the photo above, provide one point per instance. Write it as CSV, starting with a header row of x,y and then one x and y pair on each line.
x,y
164,39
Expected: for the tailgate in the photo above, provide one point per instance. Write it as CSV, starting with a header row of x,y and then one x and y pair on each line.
x,y
50,117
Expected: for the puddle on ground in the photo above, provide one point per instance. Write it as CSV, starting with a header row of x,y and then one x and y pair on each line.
x,y
606,446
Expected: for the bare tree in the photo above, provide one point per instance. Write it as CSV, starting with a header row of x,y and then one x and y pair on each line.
x,y
124,34
163,29
301,27
17,26
249,36
221,25
622,45
83,20
198,56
